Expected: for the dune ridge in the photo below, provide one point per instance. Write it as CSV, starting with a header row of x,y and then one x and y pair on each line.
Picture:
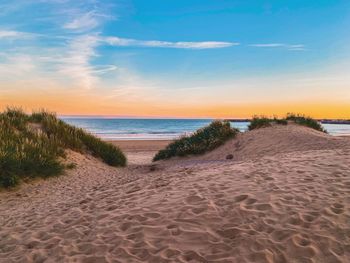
x,y
284,197
275,140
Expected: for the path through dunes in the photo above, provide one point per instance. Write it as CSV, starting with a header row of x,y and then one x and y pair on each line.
x,y
290,207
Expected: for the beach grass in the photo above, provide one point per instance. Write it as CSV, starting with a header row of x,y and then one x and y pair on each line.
x,y
33,145
201,141
300,119
305,121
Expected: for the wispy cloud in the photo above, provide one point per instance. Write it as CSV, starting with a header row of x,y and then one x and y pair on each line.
x,y
15,66
70,59
13,34
75,59
84,22
75,63
267,45
116,41
298,47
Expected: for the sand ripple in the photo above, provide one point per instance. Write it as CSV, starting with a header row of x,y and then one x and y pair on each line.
x,y
293,207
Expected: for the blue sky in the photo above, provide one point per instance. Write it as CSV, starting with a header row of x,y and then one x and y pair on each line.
x,y
175,58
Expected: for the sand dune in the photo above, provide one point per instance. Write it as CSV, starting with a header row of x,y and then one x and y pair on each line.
x,y
276,140
284,197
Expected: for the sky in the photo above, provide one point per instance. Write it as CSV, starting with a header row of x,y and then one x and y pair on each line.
x,y
176,58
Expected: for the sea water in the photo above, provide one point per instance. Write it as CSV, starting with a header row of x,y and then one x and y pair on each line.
x,y
160,129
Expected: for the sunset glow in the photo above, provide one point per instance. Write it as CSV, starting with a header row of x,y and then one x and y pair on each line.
x,y
155,59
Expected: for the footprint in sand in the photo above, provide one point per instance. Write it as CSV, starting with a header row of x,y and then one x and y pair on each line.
x,y
303,248
263,207
295,220
125,226
281,235
194,199
240,198
247,203
199,210
171,253
152,215
309,217
250,201
174,229
230,233
269,178
300,240
337,208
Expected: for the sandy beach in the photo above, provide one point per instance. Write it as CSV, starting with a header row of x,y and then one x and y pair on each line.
x,y
284,197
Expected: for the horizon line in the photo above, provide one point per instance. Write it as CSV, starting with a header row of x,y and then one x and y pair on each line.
x,y
171,117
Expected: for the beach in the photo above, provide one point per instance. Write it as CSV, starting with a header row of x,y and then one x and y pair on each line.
x,y
283,197
174,131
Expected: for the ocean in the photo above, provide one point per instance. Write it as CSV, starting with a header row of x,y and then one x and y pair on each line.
x,y
160,129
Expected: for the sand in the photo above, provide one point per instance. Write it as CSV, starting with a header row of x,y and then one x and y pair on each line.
x,y
284,197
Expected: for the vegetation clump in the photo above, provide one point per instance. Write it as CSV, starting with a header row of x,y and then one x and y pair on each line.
x,y
203,140
34,146
263,121
305,121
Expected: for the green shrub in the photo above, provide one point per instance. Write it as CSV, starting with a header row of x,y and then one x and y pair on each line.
x,y
71,166
280,121
262,121
259,122
203,140
34,145
305,121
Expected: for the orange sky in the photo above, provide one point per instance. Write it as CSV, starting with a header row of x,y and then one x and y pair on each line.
x,y
93,58
74,104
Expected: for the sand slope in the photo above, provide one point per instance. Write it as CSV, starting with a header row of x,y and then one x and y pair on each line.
x,y
287,203
276,140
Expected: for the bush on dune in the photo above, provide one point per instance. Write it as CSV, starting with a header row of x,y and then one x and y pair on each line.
x,y
262,121
305,121
203,140
34,146
259,122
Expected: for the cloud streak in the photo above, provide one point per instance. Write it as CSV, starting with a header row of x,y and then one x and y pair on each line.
x,y
11,34
128,42
76,61
85,21
297,47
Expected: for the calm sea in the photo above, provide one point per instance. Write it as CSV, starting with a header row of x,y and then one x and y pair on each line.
x,y
159,129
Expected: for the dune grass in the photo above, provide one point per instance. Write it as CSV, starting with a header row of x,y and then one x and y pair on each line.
x,y
203,140
305,121
34,146
263,121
